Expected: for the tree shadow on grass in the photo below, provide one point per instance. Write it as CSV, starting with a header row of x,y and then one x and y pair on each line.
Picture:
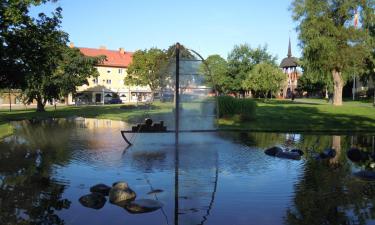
x,y
294,118
79,111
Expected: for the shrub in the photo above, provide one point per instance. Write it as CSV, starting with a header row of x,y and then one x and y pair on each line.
x,y
229,106
246,108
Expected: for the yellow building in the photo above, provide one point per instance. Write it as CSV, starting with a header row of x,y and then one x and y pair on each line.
x,y
109,86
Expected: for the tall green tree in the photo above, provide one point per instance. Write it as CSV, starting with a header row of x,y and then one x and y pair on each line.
x,y
47,68
74,70
242,59
147,68
43,44
331,44
216,70
14,16
264,78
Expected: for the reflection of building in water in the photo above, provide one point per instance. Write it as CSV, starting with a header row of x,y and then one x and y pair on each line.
x,y
91,123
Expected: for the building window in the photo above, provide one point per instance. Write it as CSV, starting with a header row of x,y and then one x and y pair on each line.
x,y
108,71
109,81
120,71
95,81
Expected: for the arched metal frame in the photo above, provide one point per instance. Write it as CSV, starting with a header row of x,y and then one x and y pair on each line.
x,y
177,129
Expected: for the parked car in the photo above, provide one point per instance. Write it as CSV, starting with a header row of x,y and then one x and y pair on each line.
x,y
167,97
115,101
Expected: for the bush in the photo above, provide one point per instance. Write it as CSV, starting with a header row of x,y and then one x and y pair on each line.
x,y
229,106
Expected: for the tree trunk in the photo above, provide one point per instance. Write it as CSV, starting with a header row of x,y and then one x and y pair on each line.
x,y
336,144
40,104
338,86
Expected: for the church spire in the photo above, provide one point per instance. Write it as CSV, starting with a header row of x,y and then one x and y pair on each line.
x,y
289,50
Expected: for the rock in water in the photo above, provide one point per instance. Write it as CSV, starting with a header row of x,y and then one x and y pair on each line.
x,y
299,151
288,155
122,185
273,151
365,175
100,188
93,200
326,154
356,155
120,194
143,206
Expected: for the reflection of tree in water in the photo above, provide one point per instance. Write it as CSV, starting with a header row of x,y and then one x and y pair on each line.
x,y
28,194
328,194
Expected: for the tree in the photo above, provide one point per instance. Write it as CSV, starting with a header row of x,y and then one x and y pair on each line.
x,y
49,67
242,59
13,17
184,52
308,83
217,67
330,44
264,78
43,45
147,68
74,70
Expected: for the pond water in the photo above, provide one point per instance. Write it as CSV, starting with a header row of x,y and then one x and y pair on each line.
x,y
216,178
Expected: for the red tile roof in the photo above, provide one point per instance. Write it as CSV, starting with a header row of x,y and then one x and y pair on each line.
x,y
114,58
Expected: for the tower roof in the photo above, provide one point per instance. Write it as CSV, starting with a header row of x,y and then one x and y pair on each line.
x,y
289,61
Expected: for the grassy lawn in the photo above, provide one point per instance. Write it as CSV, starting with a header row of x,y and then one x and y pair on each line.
x,y
310,115
5,130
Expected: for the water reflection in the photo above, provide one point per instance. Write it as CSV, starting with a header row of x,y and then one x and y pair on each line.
x,y
222,178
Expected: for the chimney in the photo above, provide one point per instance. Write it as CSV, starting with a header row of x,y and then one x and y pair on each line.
x,y
102,47
71,45
121,50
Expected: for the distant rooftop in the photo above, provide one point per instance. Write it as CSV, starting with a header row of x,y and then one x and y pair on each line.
x,y
289,61
119,58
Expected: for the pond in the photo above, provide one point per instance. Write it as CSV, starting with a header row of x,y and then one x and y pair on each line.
x,y
216,178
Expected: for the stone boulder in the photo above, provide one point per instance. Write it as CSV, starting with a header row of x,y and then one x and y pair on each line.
x,y
298,151
278,152
288,155
100,188
93,200
356,155
121,194
328,153
273,151
143,206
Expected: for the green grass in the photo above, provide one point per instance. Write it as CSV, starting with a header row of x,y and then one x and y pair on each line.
x,y
5,130
304,115
311,115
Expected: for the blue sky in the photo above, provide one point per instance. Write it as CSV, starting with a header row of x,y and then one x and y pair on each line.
x,y
209,27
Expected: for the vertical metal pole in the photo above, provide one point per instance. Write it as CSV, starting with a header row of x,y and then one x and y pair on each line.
x,y
177,117
177,92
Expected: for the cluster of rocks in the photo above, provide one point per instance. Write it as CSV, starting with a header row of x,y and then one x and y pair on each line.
x,y
328,153
356,155
119,194
278,152
365,158
296,154
149,126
